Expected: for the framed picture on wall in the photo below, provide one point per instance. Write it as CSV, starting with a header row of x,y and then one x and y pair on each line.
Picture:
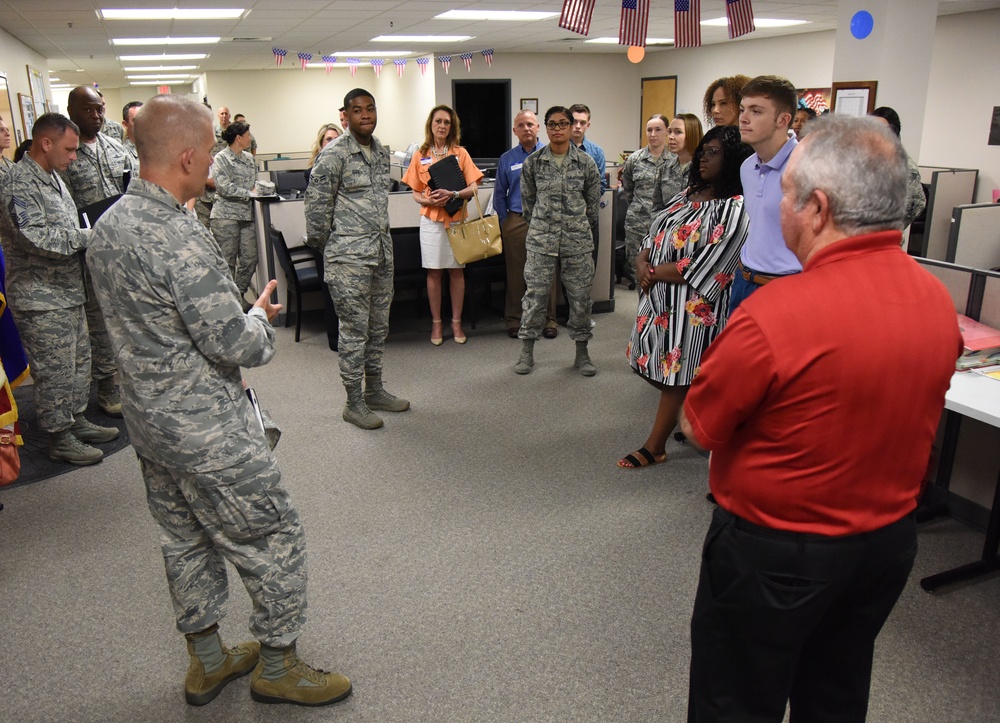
x,y
530,104
856,98
27,113
36,84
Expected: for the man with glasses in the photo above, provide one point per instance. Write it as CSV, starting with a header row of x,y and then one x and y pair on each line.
x,y
561,195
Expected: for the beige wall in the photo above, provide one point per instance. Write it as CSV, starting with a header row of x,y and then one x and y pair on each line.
x,y
14,61
963,90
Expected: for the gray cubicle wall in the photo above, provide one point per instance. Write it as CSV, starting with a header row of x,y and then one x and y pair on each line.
x,y
974,238
959,280
949,187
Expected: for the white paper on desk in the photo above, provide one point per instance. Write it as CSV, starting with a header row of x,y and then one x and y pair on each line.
x,y
993,372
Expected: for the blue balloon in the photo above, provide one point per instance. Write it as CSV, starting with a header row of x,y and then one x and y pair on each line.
x,y
861,24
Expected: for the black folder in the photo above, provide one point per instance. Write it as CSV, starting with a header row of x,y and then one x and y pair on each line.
x,y
447,174
95,210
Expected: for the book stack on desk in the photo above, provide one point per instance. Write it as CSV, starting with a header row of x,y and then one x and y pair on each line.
x,y
981,344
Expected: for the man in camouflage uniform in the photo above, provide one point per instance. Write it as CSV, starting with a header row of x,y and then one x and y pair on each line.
x,y
212,483
128,115
5,163
203,205
45,290
561,196
96,174
347,218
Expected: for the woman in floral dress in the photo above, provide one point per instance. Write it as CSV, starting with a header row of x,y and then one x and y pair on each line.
x,y
685,268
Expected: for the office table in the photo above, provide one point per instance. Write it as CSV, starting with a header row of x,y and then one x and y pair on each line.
x,y
971,395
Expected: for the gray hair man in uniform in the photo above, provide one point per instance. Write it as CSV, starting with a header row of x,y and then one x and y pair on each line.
x,y
212,483
347,219
46,293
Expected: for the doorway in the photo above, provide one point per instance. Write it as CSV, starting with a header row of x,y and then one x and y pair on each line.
x,y
659,95
483,108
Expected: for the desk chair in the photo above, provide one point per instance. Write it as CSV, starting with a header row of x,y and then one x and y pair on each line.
x,y
303,269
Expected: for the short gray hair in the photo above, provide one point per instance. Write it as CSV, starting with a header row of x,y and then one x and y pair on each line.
x,y
859,165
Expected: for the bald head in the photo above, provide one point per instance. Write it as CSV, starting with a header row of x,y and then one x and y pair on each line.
x,y
168,125
86,108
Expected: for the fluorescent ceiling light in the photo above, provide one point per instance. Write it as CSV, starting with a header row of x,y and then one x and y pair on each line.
x,y
758,22
422,38
172,76
160,82
181,56
508,15
164,41
170,14
373,53
153,68
649,41
323,65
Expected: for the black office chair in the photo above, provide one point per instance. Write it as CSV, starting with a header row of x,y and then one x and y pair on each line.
x,y
303,269
622,270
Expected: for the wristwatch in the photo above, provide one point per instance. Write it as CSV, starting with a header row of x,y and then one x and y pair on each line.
x,y
454,194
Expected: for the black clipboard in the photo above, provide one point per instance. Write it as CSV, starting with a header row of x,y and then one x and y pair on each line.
x,y
446,174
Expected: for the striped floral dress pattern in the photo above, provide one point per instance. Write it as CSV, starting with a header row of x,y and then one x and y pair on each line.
x,y
675,323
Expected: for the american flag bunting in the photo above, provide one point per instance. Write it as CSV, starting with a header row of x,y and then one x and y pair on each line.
x,y
634,22
353,64
400,64
423,62
687,23
328,61
279,55
740,16
445,62
488,55
305,58
377,66
576,15
467,59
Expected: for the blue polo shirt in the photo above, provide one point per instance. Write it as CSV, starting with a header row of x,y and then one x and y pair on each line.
x,y
765,251
507,191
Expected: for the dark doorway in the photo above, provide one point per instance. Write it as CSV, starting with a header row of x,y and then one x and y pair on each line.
x,y
483,107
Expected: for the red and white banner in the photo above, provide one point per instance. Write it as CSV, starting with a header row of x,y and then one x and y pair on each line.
x,y
740,16
634,22
576,15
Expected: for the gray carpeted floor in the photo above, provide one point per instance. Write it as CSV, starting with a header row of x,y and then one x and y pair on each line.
x,y
480,558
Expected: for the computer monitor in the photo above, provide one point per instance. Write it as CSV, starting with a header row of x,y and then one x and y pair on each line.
x,y
290,184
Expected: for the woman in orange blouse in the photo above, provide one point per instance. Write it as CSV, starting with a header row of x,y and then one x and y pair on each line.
x,y
441,136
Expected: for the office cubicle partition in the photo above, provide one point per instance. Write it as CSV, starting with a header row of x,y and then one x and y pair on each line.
x,y
949,187
974,238
962,283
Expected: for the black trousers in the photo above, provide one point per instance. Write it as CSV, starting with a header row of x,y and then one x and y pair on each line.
x,y
784,618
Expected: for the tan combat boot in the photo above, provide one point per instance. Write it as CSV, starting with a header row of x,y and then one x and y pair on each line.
x,y
213,665
282,677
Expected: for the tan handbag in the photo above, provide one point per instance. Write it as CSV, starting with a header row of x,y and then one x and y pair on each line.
x,y
475,240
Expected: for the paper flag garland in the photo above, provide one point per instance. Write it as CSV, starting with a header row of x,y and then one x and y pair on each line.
x,y
377,66
305,58
279,55
445,62
467,58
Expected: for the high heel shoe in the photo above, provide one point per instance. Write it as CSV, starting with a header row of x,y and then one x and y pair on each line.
x,y
436,326
456,328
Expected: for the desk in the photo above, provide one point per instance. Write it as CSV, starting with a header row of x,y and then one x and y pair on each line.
x,y
975,396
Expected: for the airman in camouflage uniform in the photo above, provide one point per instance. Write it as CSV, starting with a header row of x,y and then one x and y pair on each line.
x,y
672,180
232,213
128,113
213,485
561,195
96,174
347,218
640,176
45,290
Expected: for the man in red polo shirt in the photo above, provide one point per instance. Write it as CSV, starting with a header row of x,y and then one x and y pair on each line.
x,y
820,403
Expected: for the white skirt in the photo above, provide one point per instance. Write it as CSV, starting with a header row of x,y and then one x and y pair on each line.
x,y
435,251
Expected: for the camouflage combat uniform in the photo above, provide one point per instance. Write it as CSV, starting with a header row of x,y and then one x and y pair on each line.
x,y
212,483
113,130
232,214
46,292
560,204
347,217
673,179
916,201
133,155
640,177
96,174
203,206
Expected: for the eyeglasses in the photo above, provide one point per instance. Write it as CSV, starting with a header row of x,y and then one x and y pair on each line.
x,y
710,152
561,125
